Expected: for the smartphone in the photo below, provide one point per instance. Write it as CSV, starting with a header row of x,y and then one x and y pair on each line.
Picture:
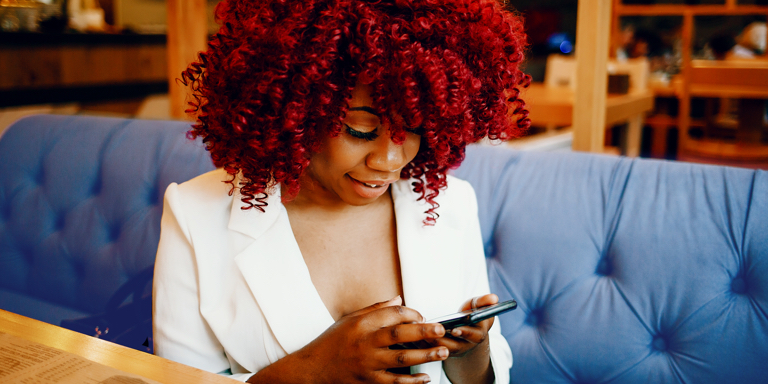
x,y
472,316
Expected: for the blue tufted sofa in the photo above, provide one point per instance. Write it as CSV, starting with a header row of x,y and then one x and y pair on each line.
x,y
80,205
625,271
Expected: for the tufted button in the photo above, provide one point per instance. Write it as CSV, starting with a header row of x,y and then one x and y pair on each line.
x,y
153,198
96,187
490,250
59,224
738,285
659,344
40,176
114,233
534,317
604,267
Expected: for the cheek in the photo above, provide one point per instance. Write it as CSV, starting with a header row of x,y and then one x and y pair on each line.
x,y
344,153
411,147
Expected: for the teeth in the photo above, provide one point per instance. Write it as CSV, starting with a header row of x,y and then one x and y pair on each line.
x,y
371,185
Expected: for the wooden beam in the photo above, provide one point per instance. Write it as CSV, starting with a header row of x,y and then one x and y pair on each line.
x,y
684,105
593,29
187,35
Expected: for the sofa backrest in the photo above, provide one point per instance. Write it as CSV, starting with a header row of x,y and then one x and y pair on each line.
x,y
626,271
80,205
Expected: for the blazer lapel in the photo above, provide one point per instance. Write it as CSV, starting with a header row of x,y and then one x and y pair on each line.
x,y
426,255
277,275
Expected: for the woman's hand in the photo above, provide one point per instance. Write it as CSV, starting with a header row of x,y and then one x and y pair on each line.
x,y
470,360
355,349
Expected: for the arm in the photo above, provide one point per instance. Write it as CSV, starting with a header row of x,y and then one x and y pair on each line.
x,y
180,332
484,355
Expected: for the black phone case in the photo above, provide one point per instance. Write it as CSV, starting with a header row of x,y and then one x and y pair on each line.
x,y
480,314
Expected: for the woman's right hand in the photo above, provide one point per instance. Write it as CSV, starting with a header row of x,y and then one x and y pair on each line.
x,y
355,349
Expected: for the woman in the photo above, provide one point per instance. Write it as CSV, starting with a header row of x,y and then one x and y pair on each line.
x,y
331,233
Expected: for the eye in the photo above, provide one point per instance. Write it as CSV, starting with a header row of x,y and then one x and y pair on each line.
x,y
368,136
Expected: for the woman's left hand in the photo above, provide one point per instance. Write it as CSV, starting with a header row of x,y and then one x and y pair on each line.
x,y
470,358
462,340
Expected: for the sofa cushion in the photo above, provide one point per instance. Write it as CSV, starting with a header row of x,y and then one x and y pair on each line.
x,y
634,271
80,203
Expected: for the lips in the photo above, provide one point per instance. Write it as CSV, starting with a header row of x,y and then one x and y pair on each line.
x,y
374,183
370,185
370,189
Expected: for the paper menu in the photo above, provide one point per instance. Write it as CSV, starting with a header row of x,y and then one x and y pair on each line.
x,y
27,362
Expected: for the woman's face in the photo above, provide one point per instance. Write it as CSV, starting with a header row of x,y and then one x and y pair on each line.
x,y
357,166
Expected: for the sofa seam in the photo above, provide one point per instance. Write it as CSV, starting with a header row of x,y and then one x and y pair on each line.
x,y
742,249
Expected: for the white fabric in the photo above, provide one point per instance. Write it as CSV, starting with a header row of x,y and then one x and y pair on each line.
x,y
232,291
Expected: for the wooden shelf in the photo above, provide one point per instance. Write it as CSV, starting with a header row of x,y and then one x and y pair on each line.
x,y
696,10
698,79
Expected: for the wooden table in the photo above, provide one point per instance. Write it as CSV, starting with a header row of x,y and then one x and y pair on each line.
x,y
554,106
105,353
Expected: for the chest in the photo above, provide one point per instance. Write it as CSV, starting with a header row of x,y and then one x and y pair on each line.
x,y
352,264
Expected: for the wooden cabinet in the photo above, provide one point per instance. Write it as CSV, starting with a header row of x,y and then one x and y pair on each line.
x,y
36,64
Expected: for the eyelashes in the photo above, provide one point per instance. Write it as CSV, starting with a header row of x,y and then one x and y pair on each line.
x,y
367,136
372,135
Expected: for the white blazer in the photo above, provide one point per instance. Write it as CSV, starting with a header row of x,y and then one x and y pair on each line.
x,y
232,292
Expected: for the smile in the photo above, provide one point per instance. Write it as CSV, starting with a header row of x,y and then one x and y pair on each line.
x,y
371,188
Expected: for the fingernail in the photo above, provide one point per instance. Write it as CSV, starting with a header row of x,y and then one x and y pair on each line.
x,y
438,329
442,353
393,299
456,332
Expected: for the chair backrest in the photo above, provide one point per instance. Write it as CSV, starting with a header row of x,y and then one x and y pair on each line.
x,y
638,70
729,78
80,204
561,71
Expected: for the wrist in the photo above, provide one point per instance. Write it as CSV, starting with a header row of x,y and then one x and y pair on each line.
x,y
473,367
288,370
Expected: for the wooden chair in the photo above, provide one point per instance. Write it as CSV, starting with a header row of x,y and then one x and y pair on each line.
x,y
743,80
561,73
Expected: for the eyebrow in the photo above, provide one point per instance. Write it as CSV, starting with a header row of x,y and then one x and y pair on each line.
x,y
365,109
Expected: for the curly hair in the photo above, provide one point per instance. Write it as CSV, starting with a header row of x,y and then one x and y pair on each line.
x,y
276,79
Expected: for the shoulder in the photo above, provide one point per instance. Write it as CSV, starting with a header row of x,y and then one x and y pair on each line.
x,y
459,190
204,188
457,202
200,199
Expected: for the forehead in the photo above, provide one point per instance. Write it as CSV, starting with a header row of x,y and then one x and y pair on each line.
x,y
361,96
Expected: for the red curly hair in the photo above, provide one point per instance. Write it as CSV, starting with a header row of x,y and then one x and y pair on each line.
x,y
275,82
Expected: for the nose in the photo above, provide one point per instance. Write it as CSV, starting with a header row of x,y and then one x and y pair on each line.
x,y
386,155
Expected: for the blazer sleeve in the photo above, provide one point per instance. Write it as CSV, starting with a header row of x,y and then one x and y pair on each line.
x,y
179,331
476,284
